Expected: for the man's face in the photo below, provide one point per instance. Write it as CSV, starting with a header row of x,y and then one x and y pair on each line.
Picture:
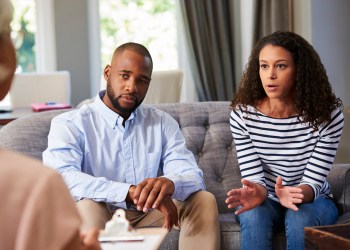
x,y
128,79
7,64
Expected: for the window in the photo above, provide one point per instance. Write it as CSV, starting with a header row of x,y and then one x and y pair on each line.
x,y
23,34
149,22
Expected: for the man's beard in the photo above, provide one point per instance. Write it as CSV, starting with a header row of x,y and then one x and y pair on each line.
x,y
115,101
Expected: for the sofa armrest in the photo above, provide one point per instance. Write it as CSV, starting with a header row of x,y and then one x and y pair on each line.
x,y
339,180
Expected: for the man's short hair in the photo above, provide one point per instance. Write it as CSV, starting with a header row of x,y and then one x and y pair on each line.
x,y
135,47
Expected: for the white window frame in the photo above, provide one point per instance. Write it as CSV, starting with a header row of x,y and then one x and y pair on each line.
x,y
45,40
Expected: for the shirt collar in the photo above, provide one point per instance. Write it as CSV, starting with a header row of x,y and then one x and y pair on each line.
x,y
112,117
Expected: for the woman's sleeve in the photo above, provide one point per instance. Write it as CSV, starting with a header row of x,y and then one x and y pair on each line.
x,y
321,160
248,159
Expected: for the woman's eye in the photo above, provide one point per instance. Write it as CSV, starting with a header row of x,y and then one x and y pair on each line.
x,y
263,66
281,66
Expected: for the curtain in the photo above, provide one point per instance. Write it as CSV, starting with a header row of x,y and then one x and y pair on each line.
x,y
270,16
210,26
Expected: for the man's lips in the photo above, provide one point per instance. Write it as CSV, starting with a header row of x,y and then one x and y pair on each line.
x,y
128,98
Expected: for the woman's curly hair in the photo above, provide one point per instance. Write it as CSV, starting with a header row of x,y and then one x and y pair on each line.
x,y
313,97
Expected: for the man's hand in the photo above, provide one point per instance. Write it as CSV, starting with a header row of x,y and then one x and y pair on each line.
x,y
89,240
249,197
156,193
169,210
288,196
151,192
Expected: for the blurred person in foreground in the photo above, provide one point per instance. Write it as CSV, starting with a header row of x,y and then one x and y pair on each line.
x,y
37,211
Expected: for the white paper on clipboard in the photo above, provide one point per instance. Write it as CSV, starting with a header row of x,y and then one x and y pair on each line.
x,y
153,238
128,237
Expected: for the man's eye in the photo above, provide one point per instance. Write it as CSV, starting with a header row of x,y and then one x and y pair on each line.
x,y
142,81
124,76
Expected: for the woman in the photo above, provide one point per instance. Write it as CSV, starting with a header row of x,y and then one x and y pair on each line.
x,y
286,124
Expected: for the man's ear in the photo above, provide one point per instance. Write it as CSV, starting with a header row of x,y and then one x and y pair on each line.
x,y
106,72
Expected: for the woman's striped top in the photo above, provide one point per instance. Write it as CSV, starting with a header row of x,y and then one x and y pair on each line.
x,y
269,147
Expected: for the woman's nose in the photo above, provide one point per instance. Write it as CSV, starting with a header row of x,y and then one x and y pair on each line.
x,y
272,73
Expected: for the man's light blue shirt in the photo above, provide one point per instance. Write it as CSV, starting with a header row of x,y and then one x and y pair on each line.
x,y
100,159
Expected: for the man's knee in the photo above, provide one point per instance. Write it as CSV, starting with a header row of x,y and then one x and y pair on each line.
x,y
202,198
202,206
93,214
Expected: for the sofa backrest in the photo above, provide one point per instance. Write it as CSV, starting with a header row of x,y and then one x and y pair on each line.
x,y
205,126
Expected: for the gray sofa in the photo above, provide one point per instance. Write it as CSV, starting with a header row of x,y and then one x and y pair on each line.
x,y
205,126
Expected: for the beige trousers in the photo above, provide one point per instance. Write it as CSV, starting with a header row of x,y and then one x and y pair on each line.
x,y
198,219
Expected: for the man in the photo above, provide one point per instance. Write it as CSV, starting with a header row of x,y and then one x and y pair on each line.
x,y
37,211
110,151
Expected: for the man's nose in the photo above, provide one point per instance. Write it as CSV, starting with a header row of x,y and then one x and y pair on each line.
x,y
131,86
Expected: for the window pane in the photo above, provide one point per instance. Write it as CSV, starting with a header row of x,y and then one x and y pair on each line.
x,y
24,28
149,22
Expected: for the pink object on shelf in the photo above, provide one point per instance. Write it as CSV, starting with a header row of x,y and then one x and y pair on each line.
x,y
38,107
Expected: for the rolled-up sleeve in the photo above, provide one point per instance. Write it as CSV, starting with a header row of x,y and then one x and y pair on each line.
x,y
179,164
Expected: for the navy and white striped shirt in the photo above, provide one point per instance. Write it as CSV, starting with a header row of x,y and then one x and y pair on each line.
x,y
269,147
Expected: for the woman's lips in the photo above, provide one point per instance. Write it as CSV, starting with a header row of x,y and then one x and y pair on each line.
x,y
271,87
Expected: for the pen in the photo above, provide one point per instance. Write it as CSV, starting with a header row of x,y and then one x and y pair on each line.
x,y
50,103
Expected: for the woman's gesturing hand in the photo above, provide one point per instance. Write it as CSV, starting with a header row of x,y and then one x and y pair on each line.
x,y
249,196
288,196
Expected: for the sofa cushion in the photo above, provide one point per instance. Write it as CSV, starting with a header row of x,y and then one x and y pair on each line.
x,y
28,135
206,128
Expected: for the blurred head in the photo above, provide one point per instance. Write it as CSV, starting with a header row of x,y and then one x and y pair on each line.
x,y
7,51
128,78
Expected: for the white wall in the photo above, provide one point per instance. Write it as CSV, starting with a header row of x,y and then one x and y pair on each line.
x,y
331,38
302,18
72,45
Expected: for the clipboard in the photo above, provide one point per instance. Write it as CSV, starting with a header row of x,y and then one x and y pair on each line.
x,y
117,232
118,229
153,238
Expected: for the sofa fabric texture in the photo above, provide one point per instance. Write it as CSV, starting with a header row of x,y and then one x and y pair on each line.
x,y
206,128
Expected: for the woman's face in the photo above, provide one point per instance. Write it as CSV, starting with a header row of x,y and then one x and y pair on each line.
x,y
277,72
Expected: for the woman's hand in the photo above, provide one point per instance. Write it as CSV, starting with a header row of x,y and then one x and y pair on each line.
x,y
288,196
249,196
